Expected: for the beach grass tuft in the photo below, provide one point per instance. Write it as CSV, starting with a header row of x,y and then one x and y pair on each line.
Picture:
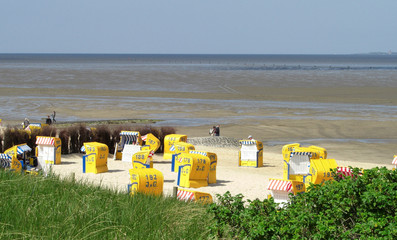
x,y
74,136
64,136
38,207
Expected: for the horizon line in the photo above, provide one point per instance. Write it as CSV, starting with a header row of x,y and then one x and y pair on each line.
x,y
66,53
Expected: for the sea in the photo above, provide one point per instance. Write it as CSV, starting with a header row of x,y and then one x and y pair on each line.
x,y
195,73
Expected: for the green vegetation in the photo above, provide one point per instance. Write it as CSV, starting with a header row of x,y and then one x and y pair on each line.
x,y
361,207
73,136
94,123
37,207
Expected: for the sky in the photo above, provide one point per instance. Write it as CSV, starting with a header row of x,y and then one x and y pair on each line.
x,y
198,27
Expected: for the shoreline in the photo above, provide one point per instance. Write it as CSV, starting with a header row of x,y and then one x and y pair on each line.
x,y
353,145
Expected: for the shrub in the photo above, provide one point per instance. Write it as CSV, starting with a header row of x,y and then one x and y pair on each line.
x,y
48,131
102,135
358,207
64,136
85,135
14,136
164,131
8,138
22,136
74,139
116,134
143,130
32,140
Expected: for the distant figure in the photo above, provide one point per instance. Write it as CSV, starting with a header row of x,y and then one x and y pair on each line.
x,y
217,130
26,123
250,138
212,131
48,120
53,117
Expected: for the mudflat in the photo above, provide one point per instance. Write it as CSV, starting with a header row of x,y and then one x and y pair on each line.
x,y
353,123
347,105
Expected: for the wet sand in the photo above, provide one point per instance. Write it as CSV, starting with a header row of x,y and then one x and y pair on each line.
x,y
350,137
359,133
352,112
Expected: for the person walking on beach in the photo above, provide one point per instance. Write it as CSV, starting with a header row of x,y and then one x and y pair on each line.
x,y
48,120
217,130
53,117
212,131
26,123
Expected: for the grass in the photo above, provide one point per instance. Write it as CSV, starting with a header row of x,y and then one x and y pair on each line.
x,y
37,207
107,122
74,134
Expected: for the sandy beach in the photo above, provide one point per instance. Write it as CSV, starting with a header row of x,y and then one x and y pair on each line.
x,y
351,113
251,182
351,139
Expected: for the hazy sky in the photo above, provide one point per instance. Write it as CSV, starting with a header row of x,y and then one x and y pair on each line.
x,y
200,26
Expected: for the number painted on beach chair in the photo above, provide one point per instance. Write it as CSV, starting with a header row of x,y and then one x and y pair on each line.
x,y
193,171
146,181
169,143
96,157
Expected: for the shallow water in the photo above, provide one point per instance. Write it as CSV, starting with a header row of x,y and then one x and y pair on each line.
x,y
217,74
17,106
